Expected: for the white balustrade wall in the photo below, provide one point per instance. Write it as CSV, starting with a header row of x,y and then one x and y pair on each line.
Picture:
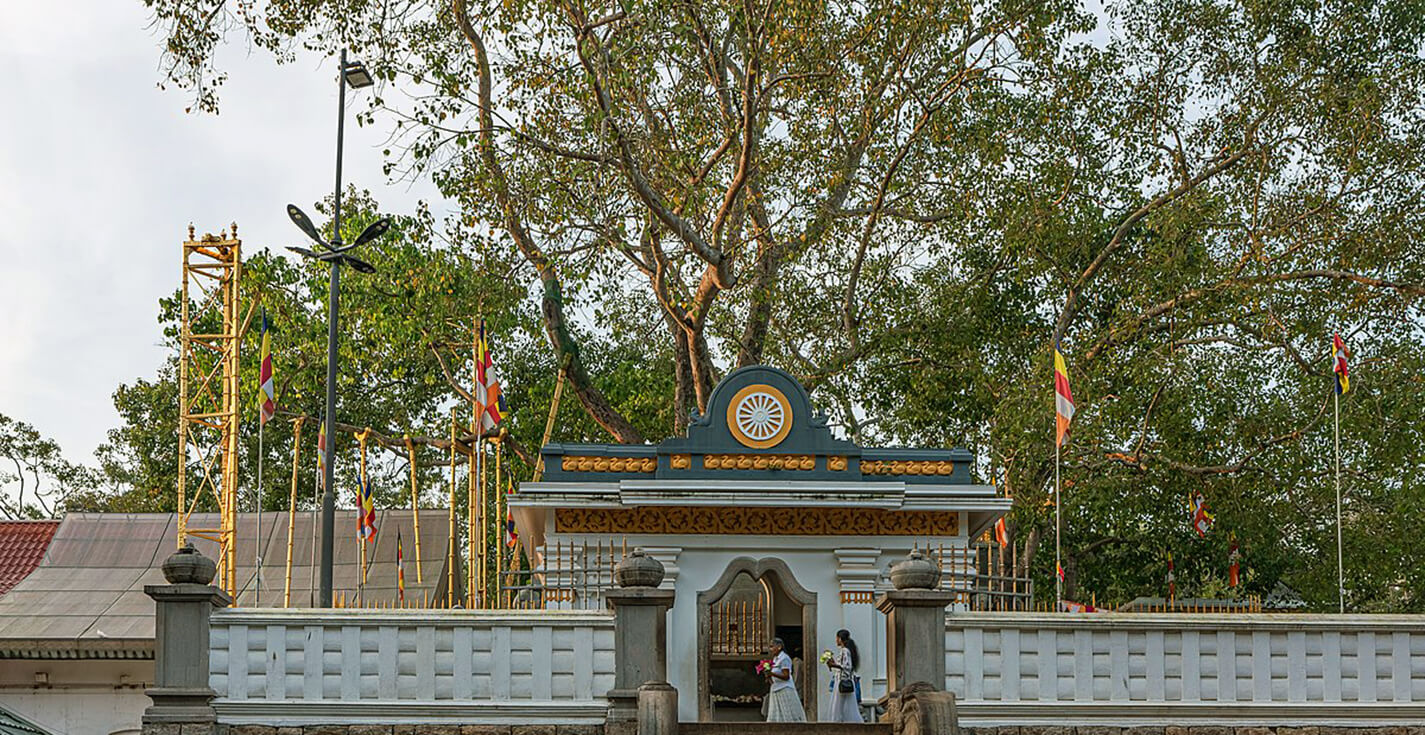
x,y
372,666
1159,669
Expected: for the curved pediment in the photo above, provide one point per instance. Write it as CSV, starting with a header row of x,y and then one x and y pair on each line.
x,y
760,424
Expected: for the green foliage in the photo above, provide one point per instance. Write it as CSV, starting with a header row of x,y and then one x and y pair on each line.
x,y
35,478
907,205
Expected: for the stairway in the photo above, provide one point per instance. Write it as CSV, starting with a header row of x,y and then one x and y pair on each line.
x,y
781,728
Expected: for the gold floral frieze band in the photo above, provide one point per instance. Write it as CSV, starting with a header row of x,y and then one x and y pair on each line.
x,y
758,462
608,464
897,467
758,521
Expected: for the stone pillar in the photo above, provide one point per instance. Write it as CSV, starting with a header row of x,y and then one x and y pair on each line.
x,y
181,694
640,635
915,624
657,709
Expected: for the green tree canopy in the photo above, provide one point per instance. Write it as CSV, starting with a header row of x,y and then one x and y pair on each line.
x,y
907,204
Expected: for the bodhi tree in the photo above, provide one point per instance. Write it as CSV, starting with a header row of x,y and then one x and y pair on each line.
x,y
908,203
693,153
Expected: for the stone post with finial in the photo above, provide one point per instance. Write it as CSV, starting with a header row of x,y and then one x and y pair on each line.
x,y
640,636
915,623
181,694
915,649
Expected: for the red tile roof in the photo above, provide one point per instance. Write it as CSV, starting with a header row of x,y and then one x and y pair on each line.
x,y
22,546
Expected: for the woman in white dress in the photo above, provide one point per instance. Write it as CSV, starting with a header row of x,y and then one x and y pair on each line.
x,y
783,704
845,685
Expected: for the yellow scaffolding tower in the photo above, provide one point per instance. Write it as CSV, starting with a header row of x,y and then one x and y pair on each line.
x,y
208,397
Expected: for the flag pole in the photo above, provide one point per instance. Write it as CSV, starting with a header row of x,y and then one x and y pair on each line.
x,y
1340,564
316,508
257,499
1058,526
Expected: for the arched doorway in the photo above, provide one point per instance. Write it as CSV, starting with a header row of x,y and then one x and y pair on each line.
x,y
753,601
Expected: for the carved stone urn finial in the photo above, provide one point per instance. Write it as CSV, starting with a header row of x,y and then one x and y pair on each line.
x,y
915,572
188,566
638,570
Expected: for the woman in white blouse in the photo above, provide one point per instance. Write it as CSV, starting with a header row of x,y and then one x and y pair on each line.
x,y
845,687
783,704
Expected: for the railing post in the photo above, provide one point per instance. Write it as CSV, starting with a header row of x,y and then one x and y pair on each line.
x,y
640,635
915,648
181,694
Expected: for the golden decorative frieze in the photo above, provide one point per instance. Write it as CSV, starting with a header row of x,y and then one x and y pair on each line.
x,y
738,520
608,464
836,464
853,597
680,461
758,462
898,467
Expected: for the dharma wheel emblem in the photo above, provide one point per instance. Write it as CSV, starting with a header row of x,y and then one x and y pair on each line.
x,y
759,416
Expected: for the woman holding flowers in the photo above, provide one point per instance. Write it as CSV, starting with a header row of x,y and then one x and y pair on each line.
x,y
783,704
845,685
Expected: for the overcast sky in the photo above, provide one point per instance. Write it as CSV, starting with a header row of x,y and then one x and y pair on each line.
x,y
101,173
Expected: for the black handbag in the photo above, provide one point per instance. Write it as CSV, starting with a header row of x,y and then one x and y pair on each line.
x,y
847,685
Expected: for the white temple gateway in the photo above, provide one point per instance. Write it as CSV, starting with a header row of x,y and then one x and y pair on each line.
x,y
766,525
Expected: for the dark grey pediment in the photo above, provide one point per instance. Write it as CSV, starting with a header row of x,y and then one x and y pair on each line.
x,y
760,425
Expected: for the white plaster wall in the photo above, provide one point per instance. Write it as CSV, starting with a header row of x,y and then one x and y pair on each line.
x,y
1010,668
82,697
315,666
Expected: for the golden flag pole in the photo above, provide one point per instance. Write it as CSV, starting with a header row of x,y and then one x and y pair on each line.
x,y
361,514
499,543
292,507
450,512
476,571
415,503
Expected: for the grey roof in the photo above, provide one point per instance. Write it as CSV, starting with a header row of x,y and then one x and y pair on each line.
x,y
86,599
13,724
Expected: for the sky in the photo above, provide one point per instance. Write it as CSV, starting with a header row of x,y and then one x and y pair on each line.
x,y
101,173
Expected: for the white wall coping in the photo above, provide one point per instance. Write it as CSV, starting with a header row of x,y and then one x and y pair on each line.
x,y
369,617
1187,621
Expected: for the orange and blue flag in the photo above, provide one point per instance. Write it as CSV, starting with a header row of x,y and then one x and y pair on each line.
x,y
1063,398
366,514
1201,519
487,387
1339,353
267,397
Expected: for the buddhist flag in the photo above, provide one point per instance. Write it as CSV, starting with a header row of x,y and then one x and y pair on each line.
x,y
1063,398
1339,353
322,455
1059,570
512,536
366,514
1001,533
487,386
1234,566
1201,519
1076,607
267,397
400,569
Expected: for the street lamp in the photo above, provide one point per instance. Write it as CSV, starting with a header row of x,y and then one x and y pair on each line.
x,y
335,255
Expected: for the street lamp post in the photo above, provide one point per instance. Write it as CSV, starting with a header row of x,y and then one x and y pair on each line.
x,y
336,256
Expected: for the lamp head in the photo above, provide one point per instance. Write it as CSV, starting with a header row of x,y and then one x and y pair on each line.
x,y
356,75
304,223
373,231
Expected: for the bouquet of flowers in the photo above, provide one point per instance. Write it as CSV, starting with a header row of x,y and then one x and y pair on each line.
x,y
825,656
764,666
